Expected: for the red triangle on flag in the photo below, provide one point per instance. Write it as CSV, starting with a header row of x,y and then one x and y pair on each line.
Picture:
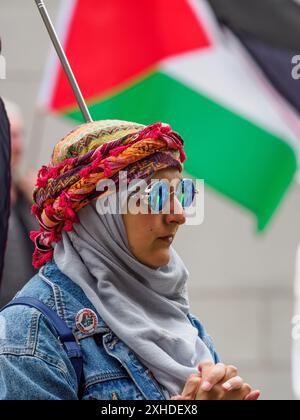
x,y
110,42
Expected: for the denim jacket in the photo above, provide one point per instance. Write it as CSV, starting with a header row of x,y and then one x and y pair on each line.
x,y
35,366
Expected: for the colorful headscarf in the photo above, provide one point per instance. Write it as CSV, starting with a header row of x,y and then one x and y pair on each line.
x,y
87,155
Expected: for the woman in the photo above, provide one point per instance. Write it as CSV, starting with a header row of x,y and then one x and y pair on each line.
x,y
113,277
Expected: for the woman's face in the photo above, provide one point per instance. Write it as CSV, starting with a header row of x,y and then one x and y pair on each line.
x,y
151,235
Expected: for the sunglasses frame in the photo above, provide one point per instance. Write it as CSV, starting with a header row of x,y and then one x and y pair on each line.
x,y
146,195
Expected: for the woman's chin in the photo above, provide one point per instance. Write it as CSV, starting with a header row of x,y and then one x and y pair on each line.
x,y
162,259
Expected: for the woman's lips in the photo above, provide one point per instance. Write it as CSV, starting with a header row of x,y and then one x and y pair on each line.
x,y
167,239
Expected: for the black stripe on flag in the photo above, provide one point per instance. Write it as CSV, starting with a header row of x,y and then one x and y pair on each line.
x,y
270,30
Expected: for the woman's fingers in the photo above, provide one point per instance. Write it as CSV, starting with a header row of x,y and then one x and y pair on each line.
x,y
211,375
224,382
177,397
245,391
231,372
207,364
191,387
233,384
253,396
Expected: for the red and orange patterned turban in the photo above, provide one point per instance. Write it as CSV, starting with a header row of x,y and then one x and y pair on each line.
x,y
87,155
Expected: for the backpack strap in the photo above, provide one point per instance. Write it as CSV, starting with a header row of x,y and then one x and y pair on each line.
x,y
65,335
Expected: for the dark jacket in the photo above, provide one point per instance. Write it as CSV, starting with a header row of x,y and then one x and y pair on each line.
x,y
5,154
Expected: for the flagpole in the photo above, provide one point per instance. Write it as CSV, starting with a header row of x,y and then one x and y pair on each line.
x,y
64,61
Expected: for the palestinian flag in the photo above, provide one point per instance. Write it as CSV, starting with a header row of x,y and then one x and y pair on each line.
x,y
270,30
167,60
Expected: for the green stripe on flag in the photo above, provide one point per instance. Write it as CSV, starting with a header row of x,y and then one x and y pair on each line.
x,y
241,160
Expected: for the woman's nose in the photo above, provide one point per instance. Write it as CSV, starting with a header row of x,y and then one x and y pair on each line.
x,y
177,213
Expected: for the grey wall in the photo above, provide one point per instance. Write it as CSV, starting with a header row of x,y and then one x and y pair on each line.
x,y
241,284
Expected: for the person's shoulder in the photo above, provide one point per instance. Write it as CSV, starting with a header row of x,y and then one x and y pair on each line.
x,y
27,328
26,331
19,324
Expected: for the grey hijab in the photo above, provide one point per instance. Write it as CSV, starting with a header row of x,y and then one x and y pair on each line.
x,y
146,308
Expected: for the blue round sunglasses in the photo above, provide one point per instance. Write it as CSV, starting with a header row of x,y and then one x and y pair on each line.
x,y
157,195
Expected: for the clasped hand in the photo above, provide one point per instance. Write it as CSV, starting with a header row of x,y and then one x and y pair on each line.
x,y
217,382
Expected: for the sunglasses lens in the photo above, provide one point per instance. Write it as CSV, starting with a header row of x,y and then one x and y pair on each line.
x,y
186,192
158,196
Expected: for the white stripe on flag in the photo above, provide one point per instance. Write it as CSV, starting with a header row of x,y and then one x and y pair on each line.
x,y
231,78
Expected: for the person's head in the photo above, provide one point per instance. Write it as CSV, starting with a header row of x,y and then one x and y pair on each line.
x,y
16,131
151,235
99,151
